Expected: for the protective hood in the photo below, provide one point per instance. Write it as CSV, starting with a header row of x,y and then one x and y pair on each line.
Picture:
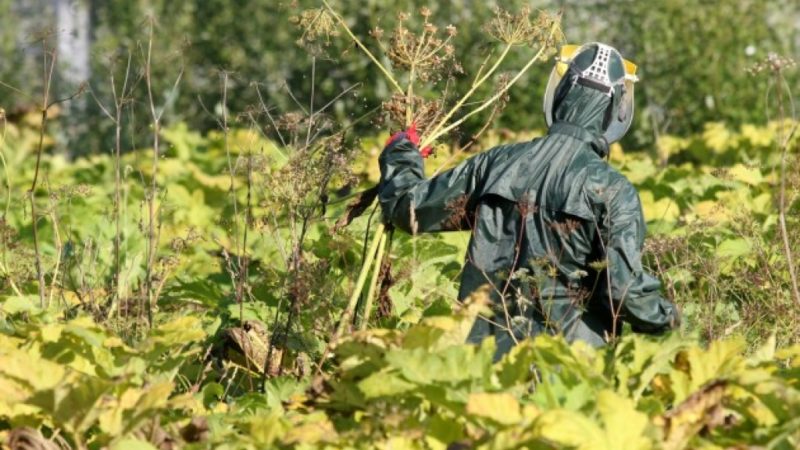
x,y
591,87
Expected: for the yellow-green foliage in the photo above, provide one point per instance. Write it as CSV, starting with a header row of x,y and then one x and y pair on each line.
x,y
73,375
419,388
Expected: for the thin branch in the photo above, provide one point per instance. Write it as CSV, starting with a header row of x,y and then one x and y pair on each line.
x,y
363,48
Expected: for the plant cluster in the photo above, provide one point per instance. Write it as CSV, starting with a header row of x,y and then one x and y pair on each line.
x,y
73,384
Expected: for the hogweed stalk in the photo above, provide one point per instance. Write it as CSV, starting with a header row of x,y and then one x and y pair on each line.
x,y
49,58
153,230
121,99
423,57
775,65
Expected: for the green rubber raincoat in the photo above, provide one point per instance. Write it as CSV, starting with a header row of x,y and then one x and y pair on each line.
x,y
557,233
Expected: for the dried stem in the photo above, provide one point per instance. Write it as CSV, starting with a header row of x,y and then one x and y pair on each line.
x,y
120,101
236,274
150,197
153,230
48,68
783,142
59,245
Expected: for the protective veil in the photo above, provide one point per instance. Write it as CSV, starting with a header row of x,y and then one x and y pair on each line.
x,y
556,232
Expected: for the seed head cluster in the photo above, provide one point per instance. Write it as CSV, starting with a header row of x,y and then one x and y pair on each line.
x,y
425,49
519,29
425,111
773,63
318,27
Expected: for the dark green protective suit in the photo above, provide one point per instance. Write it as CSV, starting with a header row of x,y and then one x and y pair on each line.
x,y
547,218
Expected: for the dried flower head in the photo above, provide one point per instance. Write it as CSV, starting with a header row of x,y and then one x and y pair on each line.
x,y
318,27
773,63
519,29
302,183
426,48
291,122
425,111
376,32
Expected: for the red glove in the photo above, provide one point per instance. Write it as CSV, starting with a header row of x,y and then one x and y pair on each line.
x,y
411,135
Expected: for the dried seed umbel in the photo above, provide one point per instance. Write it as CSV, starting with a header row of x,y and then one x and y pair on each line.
x,y
425,111
518,28
424,51
318,27
772,63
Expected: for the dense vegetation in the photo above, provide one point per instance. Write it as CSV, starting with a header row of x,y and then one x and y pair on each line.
x,y
185,284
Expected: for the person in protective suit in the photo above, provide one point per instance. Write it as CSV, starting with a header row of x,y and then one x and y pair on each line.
x,y
557,233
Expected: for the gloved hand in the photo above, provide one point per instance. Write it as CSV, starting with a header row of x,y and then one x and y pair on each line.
x,y
413,137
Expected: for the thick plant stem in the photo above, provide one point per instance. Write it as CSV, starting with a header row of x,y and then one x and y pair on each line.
x,y
376,274
380,235
369,258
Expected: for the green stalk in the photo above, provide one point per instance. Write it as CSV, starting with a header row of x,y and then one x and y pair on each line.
x,y
475,85
438,131
376,273
380,233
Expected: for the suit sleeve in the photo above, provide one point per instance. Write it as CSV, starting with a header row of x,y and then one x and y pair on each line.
x,y
635,293
415,204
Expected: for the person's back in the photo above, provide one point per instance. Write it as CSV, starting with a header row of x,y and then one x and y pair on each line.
x,y
547,218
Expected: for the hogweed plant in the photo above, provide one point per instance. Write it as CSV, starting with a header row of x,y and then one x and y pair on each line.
x,y
775,66
289,187
151,287
422,61
122,94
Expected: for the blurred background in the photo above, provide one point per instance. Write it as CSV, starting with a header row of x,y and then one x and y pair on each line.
x,y
692,55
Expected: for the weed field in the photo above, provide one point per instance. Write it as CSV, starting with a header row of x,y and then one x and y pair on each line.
x,y
234,287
